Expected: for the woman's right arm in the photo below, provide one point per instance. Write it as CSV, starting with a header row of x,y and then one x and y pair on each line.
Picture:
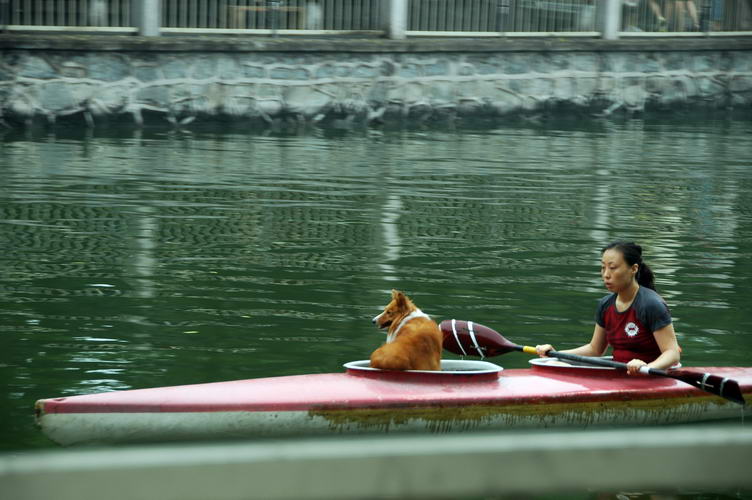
x,y
596,347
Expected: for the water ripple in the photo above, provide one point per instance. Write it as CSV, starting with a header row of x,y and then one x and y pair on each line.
x,y
162,259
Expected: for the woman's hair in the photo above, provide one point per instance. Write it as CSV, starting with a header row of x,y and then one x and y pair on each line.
x,y
632,253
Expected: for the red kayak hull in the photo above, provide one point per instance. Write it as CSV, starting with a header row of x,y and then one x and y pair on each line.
x,y
375,401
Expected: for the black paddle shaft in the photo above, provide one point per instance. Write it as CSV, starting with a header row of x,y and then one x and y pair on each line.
x,y
715,384
589,360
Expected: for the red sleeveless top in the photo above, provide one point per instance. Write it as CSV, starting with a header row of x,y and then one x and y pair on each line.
x,y
630,333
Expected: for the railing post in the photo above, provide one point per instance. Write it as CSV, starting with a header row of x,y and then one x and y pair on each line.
x,y
274,5
394,18
502,16
4,15
609,19
705,13
147,16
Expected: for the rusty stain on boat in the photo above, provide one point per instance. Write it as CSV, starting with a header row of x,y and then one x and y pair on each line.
x,y
542,414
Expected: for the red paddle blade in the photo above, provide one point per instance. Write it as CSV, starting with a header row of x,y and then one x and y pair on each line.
x,y
472,339
715,384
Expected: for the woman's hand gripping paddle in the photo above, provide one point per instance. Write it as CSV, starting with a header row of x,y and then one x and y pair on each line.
x,y
471,339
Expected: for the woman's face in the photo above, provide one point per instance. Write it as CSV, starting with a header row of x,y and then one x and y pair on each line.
x,y
616,274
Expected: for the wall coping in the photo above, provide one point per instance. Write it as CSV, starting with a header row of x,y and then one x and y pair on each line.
x,y
243,43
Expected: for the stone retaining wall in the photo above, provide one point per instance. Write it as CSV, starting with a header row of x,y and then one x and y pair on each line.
x,y
360,81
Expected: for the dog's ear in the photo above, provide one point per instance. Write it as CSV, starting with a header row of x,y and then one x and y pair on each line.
x,y
399,298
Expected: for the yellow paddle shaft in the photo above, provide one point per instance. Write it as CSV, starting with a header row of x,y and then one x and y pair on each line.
x,y
529,350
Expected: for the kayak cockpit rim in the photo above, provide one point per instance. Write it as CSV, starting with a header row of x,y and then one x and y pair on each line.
x,y
449,368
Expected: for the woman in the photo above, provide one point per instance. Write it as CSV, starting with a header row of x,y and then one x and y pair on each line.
x,y
634,320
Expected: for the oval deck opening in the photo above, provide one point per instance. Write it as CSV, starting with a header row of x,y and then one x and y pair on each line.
x,y
448,367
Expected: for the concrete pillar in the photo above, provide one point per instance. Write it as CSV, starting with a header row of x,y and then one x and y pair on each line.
x,y
503,9
609,19
146,15
394,17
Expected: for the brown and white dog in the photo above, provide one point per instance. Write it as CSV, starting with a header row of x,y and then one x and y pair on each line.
x,y
413,340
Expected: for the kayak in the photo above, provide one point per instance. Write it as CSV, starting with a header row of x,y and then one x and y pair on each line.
x,y
464,396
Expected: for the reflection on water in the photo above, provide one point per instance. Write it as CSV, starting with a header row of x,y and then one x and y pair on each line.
x,y
389,220
161,258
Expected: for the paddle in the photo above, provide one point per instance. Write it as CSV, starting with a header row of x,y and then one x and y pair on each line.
x,y
471,339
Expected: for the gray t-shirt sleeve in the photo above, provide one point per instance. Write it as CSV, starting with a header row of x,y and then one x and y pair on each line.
x,y
653,311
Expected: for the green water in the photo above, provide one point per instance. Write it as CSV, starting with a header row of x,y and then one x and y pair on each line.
x,y
139,259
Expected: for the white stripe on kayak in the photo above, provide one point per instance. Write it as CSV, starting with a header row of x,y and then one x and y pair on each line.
x,y
475,342
704,379
456,337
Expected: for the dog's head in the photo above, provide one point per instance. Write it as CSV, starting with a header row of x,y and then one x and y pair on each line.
x,y
399,307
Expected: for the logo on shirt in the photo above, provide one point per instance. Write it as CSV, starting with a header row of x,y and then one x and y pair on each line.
x,y
631,329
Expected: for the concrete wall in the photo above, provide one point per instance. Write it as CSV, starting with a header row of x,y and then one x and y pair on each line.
x,y
178,81
708,461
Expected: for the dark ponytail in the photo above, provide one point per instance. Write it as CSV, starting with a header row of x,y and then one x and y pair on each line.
x,y
632,253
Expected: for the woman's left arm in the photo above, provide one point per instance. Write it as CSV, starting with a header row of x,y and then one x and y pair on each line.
x,y
666,340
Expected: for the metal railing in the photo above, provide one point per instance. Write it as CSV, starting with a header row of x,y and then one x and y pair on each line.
x,y
453,15
686,16
49,14
421,17
553,16
308,15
